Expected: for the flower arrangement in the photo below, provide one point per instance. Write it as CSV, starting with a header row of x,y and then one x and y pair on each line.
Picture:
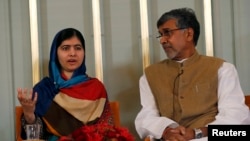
x,y
100,132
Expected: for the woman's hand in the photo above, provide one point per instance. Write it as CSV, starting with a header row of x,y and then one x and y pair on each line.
x,y
25,98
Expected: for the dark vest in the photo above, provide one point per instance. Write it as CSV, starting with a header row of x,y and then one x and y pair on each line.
x,y
186,92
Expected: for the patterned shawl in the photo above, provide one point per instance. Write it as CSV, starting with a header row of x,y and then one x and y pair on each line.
x,y
66,105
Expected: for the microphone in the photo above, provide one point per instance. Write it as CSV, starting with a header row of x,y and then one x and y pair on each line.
x,y
179,74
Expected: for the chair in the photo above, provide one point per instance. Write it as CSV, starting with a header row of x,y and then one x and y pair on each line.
x,y
147,139
115,108
19,112
114,105
247,101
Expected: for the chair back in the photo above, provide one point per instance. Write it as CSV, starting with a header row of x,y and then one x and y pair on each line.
x,y
19,112
247,100
115,108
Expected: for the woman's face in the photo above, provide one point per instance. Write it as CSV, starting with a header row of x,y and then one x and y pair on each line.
x,y
70,55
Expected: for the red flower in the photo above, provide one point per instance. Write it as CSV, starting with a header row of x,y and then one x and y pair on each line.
x,y
101,132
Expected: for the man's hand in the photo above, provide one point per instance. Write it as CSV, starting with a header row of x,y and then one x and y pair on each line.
x,y
179,133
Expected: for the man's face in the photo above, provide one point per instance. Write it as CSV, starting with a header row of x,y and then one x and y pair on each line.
x,y
173,40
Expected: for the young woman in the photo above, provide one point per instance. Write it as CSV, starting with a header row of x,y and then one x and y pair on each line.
x,y
68,98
